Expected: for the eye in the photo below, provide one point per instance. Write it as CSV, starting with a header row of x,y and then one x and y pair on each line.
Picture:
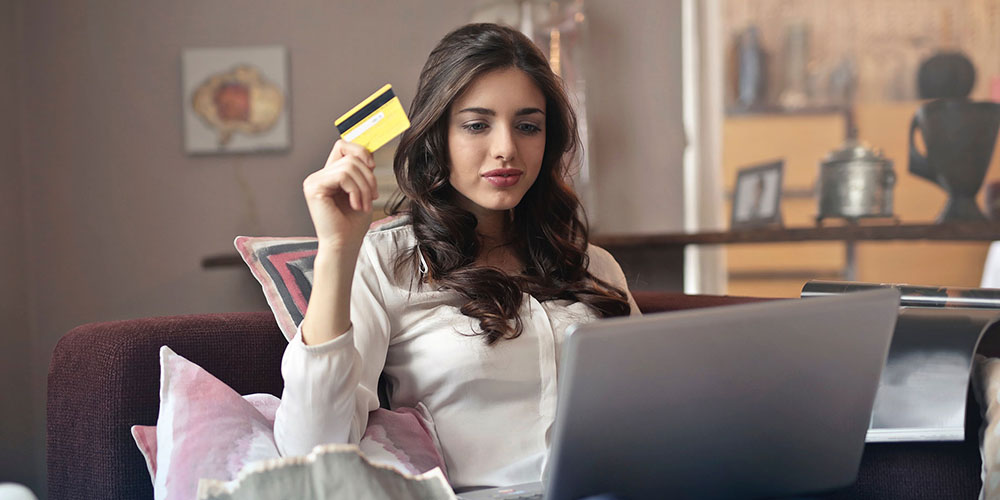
x,y
529,128
475,127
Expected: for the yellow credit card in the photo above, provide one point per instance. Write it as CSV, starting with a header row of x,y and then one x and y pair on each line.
x,y
374,122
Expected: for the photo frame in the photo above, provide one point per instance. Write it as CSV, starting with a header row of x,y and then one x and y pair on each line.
x,y
757,195
235,100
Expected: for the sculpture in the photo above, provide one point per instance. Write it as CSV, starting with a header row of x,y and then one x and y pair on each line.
x,y
958,134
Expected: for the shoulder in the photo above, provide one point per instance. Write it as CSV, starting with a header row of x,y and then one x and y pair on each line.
x,y
390,223
602,265
600,260
391,232
385,242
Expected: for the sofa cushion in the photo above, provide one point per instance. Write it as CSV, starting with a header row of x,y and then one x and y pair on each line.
x,y
145,435
284,267
206,430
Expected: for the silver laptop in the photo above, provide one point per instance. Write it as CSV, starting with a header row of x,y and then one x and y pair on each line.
x,y
747,401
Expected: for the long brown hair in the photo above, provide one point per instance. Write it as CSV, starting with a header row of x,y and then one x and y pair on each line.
x,y
547,229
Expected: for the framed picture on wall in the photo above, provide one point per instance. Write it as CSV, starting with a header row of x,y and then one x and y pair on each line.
x,y
757,196
235,100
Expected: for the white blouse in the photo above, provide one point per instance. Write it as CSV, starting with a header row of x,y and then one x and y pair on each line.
x,y
492,406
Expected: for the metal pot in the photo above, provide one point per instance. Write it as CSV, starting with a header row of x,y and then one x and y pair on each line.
x,y
854,182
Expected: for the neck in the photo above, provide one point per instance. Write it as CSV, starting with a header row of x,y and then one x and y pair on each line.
x,y
494,250
491,228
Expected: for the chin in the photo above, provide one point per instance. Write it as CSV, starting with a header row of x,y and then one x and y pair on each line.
x,y
505,202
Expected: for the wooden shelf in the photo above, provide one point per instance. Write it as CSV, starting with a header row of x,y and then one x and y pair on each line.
x,y
775,110
966,231
222,260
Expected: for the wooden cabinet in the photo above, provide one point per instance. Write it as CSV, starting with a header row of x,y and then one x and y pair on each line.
x,y
803,140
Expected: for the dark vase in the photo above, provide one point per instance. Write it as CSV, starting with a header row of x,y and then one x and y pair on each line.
x,y
959,135
946,75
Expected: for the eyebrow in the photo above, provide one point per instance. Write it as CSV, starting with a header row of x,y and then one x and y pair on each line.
x,y
490,112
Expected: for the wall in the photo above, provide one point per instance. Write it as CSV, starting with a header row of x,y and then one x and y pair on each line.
x,y
18,454
117,218
637,133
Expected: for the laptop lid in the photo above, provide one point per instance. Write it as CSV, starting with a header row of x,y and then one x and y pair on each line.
x,y
745,401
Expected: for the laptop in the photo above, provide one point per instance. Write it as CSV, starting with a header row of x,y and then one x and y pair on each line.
x,y
758,400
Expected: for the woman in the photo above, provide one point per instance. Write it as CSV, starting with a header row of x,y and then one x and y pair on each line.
x,y
464,299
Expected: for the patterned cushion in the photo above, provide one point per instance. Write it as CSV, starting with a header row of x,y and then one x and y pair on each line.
x,y
284,268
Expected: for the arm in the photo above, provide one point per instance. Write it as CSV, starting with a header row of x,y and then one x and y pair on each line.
x,y
331,387
326,382
339,197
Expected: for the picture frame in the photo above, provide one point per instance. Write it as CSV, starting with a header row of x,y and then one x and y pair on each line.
x,y
235,100
757,195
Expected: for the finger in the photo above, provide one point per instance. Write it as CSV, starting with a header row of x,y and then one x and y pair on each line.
x,y
364,189
350,187
336,152
323,182
367,177
350,148
319,183
370,179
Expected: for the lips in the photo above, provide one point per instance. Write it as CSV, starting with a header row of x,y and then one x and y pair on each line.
x,y
503,177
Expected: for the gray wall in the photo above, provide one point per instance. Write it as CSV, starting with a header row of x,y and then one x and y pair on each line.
x,y
112,219
635,115
19,412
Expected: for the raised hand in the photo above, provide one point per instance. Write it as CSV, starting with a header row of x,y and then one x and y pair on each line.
x,y
340,195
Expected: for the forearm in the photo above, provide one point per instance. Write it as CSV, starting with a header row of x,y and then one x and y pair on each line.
x,y
328,315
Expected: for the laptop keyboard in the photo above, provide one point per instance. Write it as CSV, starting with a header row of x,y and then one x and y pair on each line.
x,y
507,493
515,494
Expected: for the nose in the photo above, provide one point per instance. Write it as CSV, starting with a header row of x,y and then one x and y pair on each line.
x,y
503,147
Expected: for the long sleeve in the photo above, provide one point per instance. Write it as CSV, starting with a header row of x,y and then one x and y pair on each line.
x,y
331,387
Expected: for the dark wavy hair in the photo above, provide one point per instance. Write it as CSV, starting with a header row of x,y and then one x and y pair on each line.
x,y
547,228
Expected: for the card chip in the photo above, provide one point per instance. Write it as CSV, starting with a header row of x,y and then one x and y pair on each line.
x,y
374,122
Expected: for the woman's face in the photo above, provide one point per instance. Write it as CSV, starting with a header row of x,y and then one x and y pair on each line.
x,y
496,140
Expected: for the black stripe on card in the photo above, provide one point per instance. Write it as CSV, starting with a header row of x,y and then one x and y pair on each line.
x,y
365,111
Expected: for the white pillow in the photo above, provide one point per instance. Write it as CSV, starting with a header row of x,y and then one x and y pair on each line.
x,y
986,388
333,471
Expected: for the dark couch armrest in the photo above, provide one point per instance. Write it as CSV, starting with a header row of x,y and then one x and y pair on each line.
x,y
104,378
651,302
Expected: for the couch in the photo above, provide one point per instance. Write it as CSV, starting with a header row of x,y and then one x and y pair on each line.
x,y
104,378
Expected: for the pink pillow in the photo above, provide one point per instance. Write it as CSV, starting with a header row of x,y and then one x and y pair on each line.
x,y
145,435
204,430
403,439
211,432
